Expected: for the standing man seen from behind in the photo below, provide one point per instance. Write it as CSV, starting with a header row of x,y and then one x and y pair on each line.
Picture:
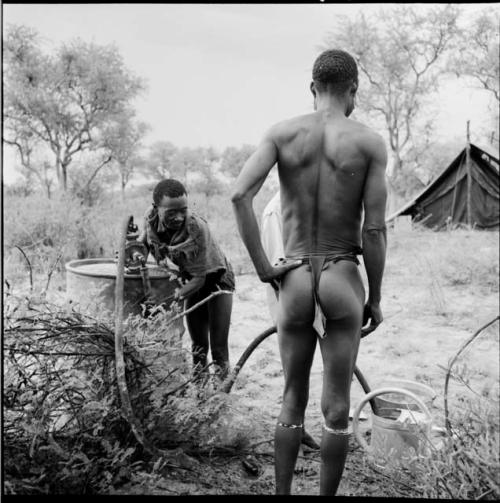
x,y
331,170
172,232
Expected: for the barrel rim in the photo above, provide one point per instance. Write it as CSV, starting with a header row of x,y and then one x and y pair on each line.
x,y
72,266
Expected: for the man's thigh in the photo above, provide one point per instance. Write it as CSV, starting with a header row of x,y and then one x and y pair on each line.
x,y
296,299
342,298
219,314
341,293
296,336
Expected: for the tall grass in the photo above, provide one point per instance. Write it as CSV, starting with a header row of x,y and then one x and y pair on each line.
x,y
46,229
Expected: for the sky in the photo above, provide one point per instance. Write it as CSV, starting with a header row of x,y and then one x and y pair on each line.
x,y
220,74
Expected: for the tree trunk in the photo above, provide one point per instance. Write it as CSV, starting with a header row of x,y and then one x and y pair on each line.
x,y
64,172
58,171
397,166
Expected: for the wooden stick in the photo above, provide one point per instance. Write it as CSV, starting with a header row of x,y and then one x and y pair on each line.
x,y
126,404
196,306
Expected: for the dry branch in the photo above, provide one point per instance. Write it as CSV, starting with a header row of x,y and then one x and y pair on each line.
x,y
29,266
450,365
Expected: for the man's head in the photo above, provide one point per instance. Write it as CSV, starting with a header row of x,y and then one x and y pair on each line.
x,y
335,72
170,198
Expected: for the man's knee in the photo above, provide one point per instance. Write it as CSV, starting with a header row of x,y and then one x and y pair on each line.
x,y
295,401
336,412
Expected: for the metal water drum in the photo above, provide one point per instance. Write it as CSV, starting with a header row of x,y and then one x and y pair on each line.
x,y
90,283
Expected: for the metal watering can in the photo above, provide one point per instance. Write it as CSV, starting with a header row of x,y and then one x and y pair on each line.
x,y
401,431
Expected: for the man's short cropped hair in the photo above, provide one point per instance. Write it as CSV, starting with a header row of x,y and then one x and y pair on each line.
x,y
335,69
170,188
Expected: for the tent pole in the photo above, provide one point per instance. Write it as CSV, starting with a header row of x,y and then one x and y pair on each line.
x,y
469,180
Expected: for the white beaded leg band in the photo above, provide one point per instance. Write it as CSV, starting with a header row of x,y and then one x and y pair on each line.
x,y
336,431
292,426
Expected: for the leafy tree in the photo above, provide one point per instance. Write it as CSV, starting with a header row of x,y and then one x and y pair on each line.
x,y
398,55
124,144
233,159
203,162
186,163
159,160
65,100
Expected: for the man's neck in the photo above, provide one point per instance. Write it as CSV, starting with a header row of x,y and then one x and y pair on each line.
x,y
331,104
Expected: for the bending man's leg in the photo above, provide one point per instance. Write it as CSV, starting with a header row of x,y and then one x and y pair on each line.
x,y
342,296
197,323
219,318
297,342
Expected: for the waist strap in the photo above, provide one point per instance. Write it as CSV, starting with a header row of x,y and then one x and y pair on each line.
x,y
308,259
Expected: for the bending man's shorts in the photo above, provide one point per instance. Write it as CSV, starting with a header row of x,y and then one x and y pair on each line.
x,y
215,281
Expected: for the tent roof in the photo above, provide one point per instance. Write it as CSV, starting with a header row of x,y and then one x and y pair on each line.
x,y
491,154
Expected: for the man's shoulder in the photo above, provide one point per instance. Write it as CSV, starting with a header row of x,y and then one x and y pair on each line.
x,y
368,136
196,224
290,126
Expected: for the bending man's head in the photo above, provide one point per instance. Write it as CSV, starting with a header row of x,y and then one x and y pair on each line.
x,y
170,199
170,188
335,72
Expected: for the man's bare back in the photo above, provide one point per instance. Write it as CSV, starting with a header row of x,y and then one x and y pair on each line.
x,y
331,170
322,164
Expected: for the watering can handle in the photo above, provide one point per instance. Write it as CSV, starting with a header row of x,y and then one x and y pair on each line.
x,y
372,394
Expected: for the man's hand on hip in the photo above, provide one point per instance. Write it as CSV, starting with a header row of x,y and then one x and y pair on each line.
x,y
273,277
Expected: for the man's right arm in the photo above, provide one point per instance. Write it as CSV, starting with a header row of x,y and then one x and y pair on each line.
x,y
247,185
374,232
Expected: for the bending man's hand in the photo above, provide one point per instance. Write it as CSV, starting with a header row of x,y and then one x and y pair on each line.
x,y
273,277
372,313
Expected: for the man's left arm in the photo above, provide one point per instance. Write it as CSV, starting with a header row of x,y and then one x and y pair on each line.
x,y
196,255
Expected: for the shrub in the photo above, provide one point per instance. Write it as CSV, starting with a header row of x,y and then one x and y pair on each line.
x,y
64,430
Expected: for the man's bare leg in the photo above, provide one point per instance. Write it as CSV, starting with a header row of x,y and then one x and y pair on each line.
x,y
342,297
219,319
297,342
197,323
308,440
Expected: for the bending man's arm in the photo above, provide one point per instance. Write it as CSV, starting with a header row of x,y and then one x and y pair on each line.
x,y
374,233
248,184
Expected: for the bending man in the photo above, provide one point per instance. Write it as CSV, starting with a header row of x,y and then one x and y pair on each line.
x,y
331,169
172,232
